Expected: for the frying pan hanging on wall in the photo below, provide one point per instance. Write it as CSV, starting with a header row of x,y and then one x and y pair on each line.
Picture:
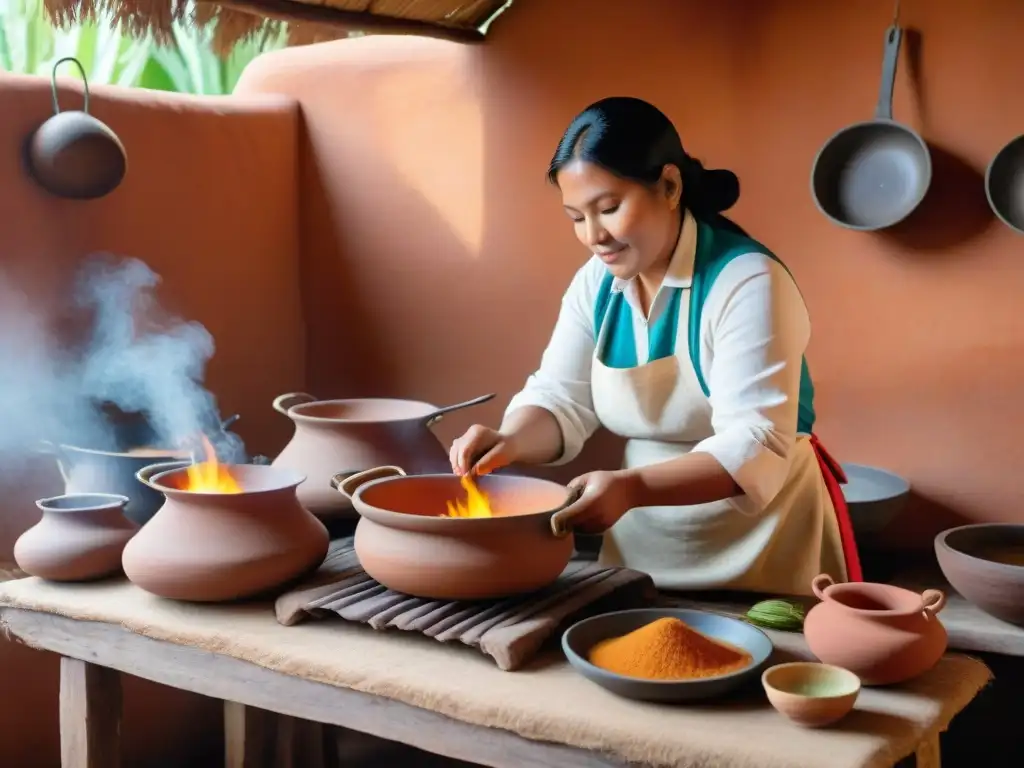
x,y
872,175
73,154
1004,184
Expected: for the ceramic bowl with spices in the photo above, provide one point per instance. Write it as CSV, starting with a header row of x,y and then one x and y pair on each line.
x,y
811,694
666,655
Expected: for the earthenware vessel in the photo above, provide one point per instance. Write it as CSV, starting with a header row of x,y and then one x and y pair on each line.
x,y
348,436
405,541
89,470
85,470
810,694
209,546
985,564
80,537
881,633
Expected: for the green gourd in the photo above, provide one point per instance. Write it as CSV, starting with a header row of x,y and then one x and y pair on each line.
x,y
782,615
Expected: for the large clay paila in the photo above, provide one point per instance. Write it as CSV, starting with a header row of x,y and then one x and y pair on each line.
x,y
348,436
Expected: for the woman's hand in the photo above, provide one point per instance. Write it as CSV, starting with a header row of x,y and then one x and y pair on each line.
x,y
481,450
605,497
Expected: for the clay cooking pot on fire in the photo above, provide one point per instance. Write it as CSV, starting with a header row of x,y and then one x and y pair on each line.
x,y
207,546
406,541
348,436
881,633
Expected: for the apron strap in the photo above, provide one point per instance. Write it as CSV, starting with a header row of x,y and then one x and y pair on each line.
x,y
834,476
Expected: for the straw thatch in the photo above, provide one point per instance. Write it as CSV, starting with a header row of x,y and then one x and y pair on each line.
x,y
307,20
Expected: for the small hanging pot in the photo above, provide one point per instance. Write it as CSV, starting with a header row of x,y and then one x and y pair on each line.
x,y
73,154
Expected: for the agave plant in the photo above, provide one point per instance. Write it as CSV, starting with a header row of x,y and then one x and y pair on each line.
x,y
30,45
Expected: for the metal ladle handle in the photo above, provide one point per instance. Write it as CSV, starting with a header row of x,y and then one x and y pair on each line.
x,y
53,84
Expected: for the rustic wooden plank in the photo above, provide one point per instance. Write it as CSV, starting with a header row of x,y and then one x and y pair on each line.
x,y
228,679
90,715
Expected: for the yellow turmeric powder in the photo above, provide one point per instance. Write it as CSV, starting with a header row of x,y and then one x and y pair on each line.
x,y
667,649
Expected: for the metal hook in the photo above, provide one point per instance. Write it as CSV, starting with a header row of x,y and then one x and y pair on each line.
x,y
53,83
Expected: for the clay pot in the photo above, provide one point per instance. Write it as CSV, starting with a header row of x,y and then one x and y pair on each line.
x,y
404,543
207,547
985,563
809,694
348,436
80,537
881,633
89,471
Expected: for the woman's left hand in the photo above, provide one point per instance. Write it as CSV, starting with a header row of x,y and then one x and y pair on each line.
x,y
605,497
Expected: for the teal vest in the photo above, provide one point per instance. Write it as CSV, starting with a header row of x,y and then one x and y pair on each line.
x,y
715,249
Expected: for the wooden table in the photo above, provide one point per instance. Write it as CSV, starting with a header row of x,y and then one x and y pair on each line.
x,y
94,653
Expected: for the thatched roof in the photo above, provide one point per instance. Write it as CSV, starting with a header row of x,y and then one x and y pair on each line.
x,y
308,20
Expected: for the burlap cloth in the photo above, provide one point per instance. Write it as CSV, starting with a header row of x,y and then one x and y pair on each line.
x,y
546,700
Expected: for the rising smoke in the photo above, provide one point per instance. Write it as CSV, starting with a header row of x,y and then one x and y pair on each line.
x,y
131,354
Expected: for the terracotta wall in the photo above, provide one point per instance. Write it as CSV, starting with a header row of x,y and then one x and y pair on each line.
x,y
434,255
210,204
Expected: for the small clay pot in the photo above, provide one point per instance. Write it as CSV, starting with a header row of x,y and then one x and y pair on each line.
x,y
881,633
208,547
809,694
80,537
404,541
347,436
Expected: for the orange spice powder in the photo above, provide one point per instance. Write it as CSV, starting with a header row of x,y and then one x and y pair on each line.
x,y
667,649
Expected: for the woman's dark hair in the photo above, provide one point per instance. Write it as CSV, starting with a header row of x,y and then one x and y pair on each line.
x,y
635,141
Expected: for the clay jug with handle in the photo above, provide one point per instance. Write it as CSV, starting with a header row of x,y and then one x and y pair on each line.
x,y
881,633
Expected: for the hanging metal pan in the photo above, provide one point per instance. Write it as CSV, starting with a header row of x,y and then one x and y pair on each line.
x,y
73,154
872,175
1004,184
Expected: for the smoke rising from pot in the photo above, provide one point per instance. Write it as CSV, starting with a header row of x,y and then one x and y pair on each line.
x,y
131,354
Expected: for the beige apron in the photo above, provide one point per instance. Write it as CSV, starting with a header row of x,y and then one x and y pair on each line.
x,y
660,408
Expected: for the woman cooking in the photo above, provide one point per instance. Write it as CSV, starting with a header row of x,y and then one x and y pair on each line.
x,y
687,337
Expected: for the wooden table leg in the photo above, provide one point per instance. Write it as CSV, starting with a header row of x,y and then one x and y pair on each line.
x,y
255,738
929,752
90,715
249,736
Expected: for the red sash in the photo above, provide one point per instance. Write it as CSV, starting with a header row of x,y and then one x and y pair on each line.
x,y
834,478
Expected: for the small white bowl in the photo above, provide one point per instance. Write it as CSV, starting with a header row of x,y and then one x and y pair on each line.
x,y
811,694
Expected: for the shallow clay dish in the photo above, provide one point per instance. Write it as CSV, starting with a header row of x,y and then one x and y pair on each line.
x,y
985,564
584,635
811,694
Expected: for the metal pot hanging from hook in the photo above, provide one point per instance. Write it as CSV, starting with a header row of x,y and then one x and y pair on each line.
x,y
73,154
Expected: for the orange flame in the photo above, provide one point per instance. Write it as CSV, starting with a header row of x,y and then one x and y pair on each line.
x,y
476,505
209,475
